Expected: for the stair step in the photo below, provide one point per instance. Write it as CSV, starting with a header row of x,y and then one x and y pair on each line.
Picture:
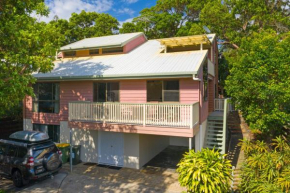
x,y
218,127
214,143
217,118
214,138
215,131
214,134
215,124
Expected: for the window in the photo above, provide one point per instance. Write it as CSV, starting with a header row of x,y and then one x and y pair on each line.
x,y
21,152
171,90
205,81
163,91
94,52
70,53
2,149
106,92
112,50
154,91
46,97
11,151
53,131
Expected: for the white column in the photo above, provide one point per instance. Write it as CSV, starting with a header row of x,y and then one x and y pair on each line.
x,y
71,153
200,137
190,143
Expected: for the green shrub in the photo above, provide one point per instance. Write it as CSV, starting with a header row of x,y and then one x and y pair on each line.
x,y
205,171
267,166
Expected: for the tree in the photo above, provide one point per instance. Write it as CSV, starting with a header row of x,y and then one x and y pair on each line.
x,y
63,29
82,25
105,24
259,81
85,25
128,27
205,171
26,46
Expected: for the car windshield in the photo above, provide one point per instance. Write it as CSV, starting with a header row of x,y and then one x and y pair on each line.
x,y
39,153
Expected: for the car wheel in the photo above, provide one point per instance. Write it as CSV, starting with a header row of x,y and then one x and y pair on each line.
x,y
17,179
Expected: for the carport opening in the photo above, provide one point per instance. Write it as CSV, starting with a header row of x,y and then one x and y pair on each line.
x,y
168,158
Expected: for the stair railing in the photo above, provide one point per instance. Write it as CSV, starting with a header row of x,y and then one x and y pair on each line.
x,y
226,111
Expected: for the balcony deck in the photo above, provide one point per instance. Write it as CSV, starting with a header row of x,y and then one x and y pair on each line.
x,y
149,118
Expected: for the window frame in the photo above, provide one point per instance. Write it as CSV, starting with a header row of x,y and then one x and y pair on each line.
x,y
113,52
37,101
163,89
70,55
94,54
106,94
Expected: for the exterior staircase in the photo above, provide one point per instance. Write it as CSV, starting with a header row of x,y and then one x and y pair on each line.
x,y
214,134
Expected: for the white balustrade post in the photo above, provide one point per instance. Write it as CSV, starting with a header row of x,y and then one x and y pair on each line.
x,y
104,113
190,143
191,116
144,115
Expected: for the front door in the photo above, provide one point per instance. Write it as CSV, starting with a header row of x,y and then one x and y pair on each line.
x,y
111,148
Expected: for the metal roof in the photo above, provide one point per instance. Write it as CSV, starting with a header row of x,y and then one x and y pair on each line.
x,y
102,42
144,61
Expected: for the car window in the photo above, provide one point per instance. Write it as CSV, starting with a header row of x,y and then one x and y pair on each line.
x,y
39,153
2,149
11,151
21,152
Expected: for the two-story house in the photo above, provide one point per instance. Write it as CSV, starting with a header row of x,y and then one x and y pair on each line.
x,y
126,98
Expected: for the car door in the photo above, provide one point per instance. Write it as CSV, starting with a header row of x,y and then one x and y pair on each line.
x,y
9,158
2,156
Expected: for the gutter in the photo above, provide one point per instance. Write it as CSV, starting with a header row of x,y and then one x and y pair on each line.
x,y
70,78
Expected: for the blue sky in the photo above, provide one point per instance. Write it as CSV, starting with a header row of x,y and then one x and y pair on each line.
x,y
123,10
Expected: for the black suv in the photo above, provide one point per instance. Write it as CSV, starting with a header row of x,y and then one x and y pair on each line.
x,y
28,155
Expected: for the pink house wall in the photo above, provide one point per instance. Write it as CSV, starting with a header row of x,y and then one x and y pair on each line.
x,y
189,91
131,91
69,91
134,43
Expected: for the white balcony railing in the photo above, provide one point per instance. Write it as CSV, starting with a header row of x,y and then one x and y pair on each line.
x,y
169,115
219,105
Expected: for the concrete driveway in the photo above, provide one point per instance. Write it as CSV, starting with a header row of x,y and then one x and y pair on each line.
x,y
92,178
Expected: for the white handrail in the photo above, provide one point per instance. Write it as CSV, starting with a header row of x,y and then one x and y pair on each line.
x,y
219,105
148,114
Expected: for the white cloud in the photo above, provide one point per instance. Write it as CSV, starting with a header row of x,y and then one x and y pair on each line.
x,y
130,1
126,11
64,8
127,20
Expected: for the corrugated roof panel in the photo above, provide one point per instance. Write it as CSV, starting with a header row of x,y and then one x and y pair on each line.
x,y
142,61
104,41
